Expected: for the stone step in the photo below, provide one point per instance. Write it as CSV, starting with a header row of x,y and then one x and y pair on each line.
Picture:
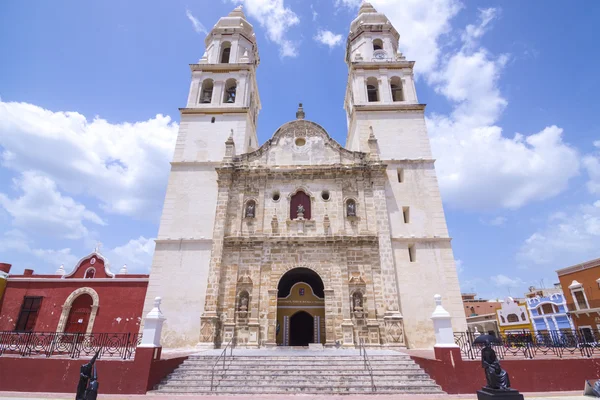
x,y
298,368
304,378
305,358
263,374
328,388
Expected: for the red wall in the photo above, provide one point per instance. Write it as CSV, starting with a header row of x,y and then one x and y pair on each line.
x,y
58,375
119,299
542,375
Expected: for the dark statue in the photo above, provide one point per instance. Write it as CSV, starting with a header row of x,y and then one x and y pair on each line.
x,y
88,389
498,382
496,377
351,209
250,210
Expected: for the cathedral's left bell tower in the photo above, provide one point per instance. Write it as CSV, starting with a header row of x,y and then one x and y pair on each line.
x,y
223,102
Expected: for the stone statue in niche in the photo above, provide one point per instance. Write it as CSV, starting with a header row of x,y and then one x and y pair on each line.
x,y
300,211
358,305
243,305
250,209
351,209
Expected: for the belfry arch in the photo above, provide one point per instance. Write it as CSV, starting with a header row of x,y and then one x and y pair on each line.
x,y
300,308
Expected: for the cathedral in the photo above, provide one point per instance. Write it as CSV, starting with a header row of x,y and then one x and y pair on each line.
x,y
301,241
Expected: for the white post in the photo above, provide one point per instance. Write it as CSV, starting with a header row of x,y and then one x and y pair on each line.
x,y
153,326
442,325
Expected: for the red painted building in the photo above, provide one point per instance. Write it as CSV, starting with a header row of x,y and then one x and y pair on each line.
x,y
89,299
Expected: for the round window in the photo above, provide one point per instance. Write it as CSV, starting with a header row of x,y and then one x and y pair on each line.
x,y
300,142
325,195
275,196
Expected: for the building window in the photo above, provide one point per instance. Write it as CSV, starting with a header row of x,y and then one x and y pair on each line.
x,y
225,52
396,89
377,44
580,299
300,206
400,175
206,92
230,88
523,317
406,214
512,318
547,309
28,314
90,273
372,90
412,253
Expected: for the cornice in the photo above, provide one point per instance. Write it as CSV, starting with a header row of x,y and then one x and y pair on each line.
x,y
410,161
69,280
257,239
395,64
402,107
183,240
186,163
222,67
421,239
213,110
332,169
579,267
3,275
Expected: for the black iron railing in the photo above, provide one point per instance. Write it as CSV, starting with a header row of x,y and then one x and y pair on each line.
x,y
223,356
565,343
366,363
73,345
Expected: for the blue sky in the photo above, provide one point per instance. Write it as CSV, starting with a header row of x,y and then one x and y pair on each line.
x,y
88,118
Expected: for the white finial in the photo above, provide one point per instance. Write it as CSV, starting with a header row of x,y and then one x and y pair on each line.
x,y
123,269
61,270
98,247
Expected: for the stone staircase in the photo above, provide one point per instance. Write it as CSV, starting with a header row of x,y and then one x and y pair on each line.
x,y
310,373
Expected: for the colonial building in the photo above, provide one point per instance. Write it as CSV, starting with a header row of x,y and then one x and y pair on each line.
x,y
581,285
548,309
513,317
89,298
301,240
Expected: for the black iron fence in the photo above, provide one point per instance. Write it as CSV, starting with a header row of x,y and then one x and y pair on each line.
x,y
564,343
73,345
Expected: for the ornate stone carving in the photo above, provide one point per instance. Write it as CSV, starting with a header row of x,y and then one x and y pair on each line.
x,y
395,332
207,331
250,209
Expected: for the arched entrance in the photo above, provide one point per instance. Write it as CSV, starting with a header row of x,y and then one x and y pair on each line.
x,y
301,329
300,308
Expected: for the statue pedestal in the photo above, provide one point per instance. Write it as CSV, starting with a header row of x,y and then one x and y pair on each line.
x,y
498,394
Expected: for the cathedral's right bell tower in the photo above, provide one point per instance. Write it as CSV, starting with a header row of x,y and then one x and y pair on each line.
x,y
386,120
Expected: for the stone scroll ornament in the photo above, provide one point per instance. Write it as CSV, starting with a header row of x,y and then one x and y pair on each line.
x,y
87,388
207,331
497,379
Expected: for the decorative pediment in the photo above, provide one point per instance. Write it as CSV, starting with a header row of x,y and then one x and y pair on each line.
x,y
244,279
94,265
356,279
301,142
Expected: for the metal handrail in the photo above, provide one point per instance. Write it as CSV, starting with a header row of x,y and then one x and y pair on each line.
x,y
366,363
224,356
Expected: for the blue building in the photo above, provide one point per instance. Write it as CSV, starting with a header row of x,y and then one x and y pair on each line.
x,y
548,310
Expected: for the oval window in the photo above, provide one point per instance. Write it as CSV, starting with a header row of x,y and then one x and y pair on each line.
x,y
300,142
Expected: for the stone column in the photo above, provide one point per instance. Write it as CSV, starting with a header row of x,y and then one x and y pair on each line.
x,y
272,319
329,317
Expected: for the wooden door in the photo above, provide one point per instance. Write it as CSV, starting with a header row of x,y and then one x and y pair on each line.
x,y
79,316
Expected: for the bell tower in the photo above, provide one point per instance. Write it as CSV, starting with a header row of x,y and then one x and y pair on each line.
x,y
386,121
222,106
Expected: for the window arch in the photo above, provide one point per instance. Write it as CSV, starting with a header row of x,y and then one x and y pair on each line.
x,y
70,301
300,205
230,89
396,89
206,91
225,52
90,273
377,44
372,89
512,318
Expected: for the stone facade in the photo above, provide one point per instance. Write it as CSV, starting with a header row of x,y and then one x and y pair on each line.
x,y
363,226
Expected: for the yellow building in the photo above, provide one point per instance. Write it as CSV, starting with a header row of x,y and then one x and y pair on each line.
x,y
513,317
300,317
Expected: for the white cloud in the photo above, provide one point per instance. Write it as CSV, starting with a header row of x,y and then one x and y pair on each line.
x,y
125,166
496,221
504,281
474,32
592,166
137,254
566,239
328,38
460,268
314,13
43,209
477,166
198,27
276,19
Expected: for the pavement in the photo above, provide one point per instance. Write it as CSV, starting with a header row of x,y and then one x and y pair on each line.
x,y
57,396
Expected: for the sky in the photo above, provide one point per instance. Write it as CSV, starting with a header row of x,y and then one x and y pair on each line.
x,y
90,91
